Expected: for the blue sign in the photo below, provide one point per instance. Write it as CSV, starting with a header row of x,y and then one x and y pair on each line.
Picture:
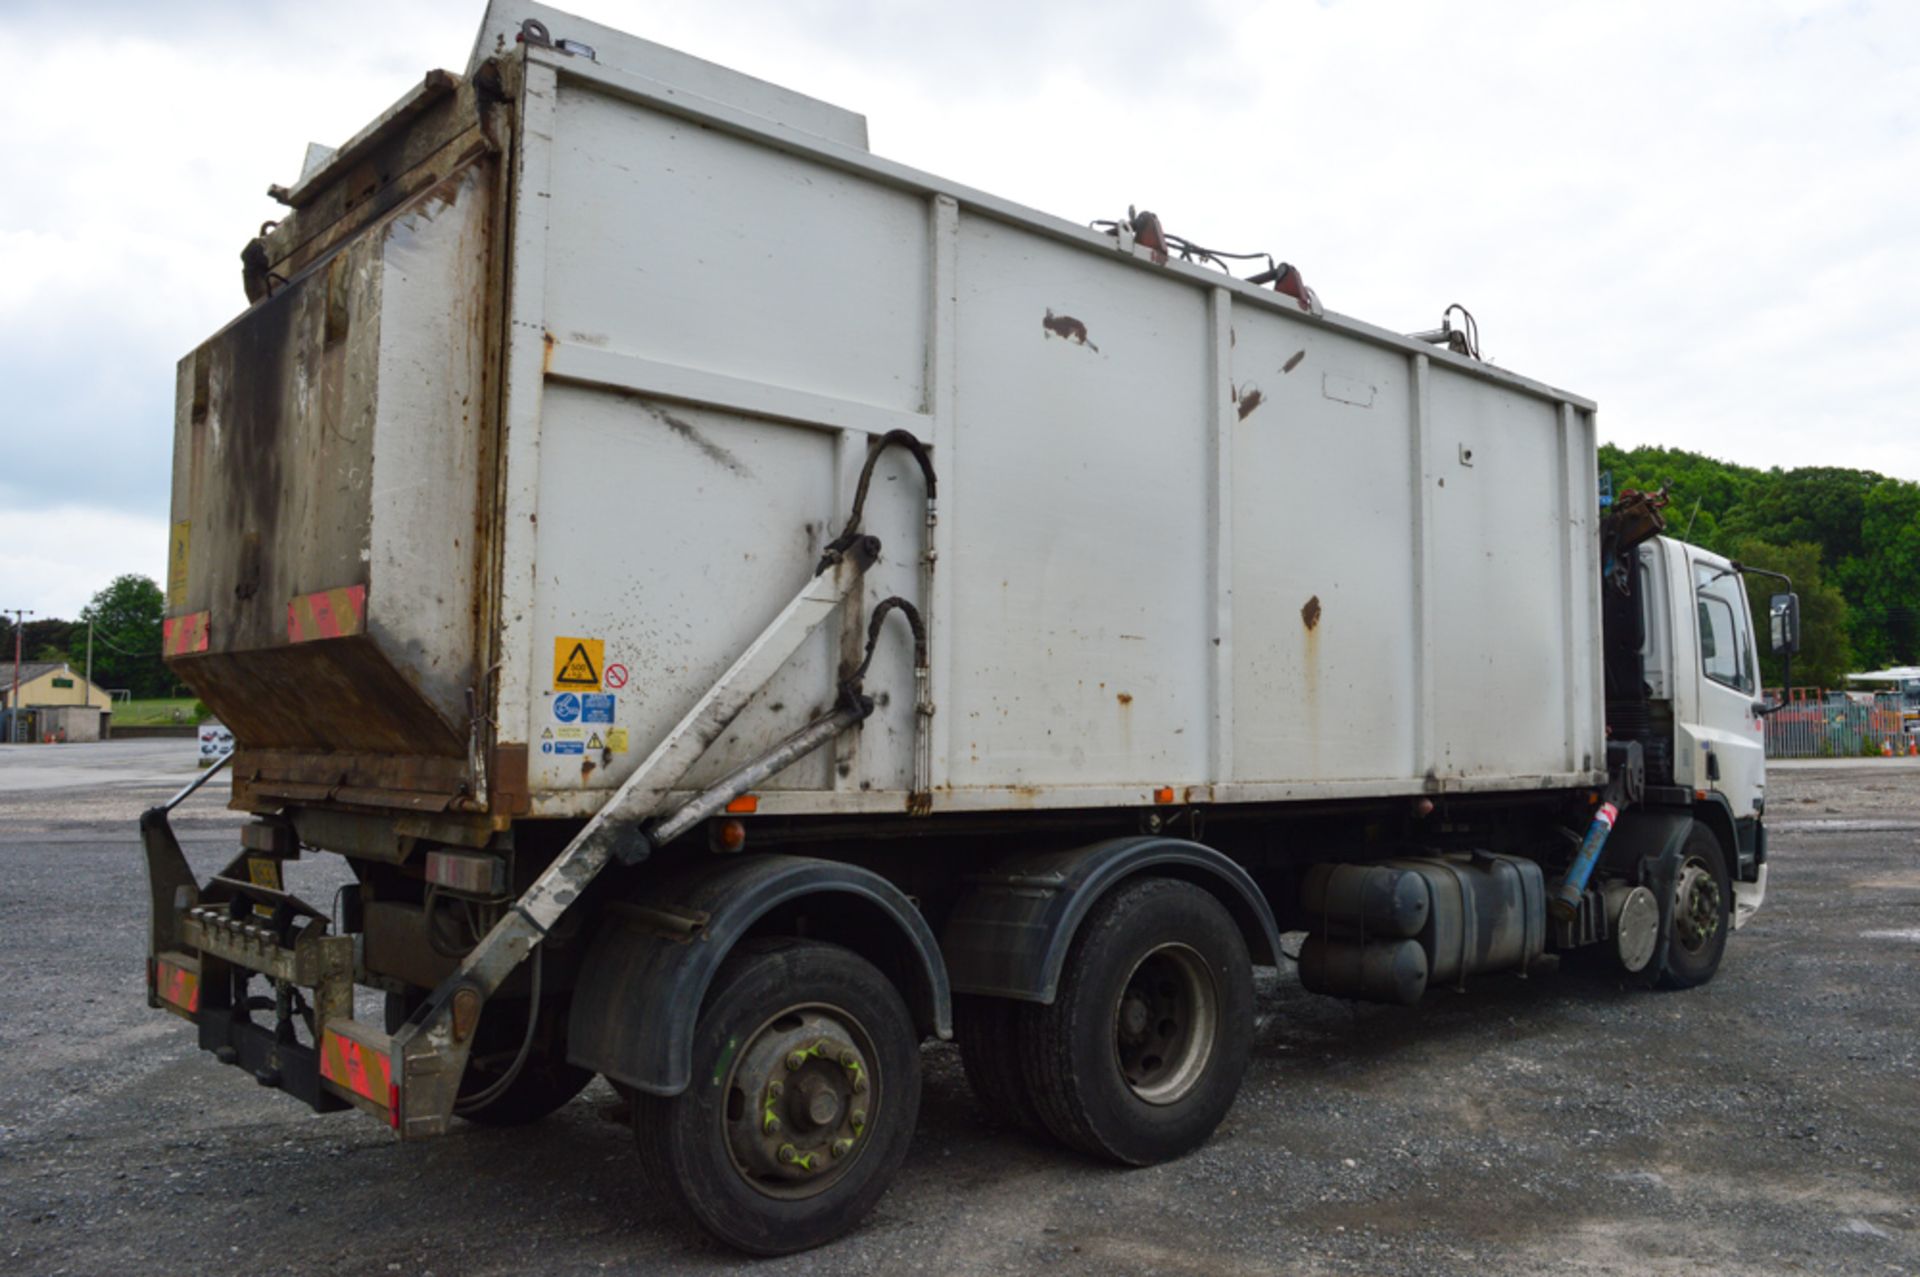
x,y
566,707
596,707
569,747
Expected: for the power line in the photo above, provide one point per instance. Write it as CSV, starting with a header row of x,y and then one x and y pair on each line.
x,y
138,656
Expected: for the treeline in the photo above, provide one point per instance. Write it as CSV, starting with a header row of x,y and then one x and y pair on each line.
x,y
1850,539
125,619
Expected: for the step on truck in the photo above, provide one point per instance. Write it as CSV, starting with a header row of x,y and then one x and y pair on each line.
x,y
743,607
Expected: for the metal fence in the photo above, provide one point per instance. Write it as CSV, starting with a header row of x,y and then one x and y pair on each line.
x,y
1821,724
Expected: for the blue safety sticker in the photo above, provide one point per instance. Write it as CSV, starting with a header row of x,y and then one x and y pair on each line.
x,y
569,747
566,707
596,707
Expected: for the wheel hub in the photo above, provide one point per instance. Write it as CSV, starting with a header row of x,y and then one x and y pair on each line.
x,y
799,1103
1165,1022
1696,915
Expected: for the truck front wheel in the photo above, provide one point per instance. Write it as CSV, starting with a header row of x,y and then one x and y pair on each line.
x,y
806,1087
1140,1055
1702,909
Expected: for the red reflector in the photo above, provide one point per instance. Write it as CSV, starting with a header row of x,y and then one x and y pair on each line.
x,y
393,1105
1164,794
744,805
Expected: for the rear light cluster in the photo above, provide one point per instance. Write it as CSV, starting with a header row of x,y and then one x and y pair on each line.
x,y
467,872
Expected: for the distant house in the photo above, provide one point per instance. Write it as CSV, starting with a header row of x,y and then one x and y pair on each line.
x,y
53,702
49,683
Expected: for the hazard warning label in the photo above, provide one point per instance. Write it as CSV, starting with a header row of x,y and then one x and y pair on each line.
x,y
577,663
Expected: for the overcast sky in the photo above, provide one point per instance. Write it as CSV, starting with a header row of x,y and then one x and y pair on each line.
x,y
1704,215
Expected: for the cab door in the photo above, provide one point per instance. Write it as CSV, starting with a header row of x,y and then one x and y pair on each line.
x,y
1728,736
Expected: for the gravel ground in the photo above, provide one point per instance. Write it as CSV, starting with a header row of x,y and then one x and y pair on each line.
x,y
1769,1122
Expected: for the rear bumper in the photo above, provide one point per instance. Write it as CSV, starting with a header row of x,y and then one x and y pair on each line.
x,y
208,943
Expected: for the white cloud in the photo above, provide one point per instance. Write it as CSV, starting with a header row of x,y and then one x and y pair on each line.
x,y
55,560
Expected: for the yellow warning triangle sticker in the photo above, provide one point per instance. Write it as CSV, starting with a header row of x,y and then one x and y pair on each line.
x,y
576,662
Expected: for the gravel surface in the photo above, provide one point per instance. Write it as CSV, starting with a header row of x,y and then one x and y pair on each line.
x,y
1769,1122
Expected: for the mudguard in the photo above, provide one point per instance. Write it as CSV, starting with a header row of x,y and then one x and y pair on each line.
x,y
647,972
1008,937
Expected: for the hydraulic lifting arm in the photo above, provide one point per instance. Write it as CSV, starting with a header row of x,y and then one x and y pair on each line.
x,y
429,1052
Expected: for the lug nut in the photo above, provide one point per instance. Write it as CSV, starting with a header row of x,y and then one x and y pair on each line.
x,y
842,1147
775,1089
795,1060
788,1155
858,1118
771,1126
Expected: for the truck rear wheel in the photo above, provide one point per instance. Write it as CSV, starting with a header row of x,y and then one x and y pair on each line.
x,y
806,1069
1702,912
987,1030
1140,1055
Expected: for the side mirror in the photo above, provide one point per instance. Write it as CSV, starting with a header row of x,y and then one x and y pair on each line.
x,y
1783,623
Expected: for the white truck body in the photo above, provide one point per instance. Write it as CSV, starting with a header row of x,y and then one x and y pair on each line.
x,y
1189,536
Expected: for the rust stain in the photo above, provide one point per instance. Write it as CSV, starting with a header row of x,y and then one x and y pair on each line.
x,y
546,355
1310,614
1251,400
1125,698
1294,362
1067,328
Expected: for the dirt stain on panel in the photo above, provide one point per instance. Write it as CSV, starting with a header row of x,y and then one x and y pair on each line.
x,y
713,451
1310,613
1250,400
1067,328
1294,362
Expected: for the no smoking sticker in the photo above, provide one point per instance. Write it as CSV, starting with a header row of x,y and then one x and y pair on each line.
x,y
577,663
616,676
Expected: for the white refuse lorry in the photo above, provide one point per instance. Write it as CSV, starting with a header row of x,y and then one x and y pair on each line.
x,y
744,606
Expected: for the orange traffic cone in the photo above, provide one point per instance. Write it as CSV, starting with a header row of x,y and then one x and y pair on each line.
x,y
1886,748
1913,747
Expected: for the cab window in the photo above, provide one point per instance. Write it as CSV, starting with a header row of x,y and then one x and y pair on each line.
x,y
1726,650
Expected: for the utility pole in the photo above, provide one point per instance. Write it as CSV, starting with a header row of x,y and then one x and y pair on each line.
x,y
20,615
86,697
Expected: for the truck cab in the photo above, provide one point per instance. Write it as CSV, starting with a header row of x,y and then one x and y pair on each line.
x,y
1703,697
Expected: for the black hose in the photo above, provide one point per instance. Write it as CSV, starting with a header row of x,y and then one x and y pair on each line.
x,y
905,439
481,1099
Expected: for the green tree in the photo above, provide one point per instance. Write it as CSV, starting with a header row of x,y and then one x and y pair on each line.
x,y
1704,492
1826,648
1822,504
126,635
1866,527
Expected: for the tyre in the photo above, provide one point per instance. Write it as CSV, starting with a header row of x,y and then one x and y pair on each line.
x,y
1702,912
987,1031
545,1080
1141,1053
806,1068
